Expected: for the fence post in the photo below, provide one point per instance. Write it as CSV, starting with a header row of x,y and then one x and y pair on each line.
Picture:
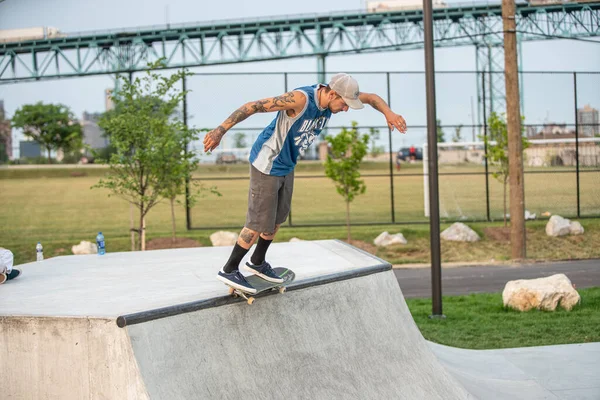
x,y
188,211
485,152
576,144
389,99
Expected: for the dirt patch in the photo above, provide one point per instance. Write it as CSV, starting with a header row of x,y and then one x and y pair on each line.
x,y
78,174
167,243
500,234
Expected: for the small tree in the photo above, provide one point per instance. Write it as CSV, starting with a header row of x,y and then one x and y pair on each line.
x,y
53,126
457,134
497,145
177,171
440,132
146,137
239,140
348,149
374,136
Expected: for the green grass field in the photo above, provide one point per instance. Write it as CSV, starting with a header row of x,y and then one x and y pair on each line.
x,y
480,321
57,206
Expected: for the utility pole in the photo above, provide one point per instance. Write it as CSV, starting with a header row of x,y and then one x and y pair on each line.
x,y
434,202
515,144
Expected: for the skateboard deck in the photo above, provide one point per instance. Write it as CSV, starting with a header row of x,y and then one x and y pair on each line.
x,y
262,285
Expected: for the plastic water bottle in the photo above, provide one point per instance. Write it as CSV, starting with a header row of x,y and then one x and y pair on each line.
x,y
100,243
39,249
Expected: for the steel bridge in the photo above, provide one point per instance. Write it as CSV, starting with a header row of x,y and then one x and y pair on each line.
x,y
316,35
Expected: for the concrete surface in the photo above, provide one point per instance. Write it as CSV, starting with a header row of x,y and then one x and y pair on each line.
x,y
548,372
128,282
47,358
348,339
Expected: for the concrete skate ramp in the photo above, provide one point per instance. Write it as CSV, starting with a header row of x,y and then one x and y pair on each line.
x,y
545,372
348,339
158,325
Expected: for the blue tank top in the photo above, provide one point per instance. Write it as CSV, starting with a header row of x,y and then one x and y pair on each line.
x,y
276,150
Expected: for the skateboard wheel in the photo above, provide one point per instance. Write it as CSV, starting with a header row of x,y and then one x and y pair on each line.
x,y
282,290
250,300
231,291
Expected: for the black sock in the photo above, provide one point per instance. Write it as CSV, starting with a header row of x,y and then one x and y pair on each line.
x,y
258,257
235,259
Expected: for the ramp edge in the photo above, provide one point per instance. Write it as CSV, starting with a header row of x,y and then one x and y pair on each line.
x,y
164,312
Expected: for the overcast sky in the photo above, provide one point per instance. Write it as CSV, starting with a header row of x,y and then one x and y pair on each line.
x,y
547,97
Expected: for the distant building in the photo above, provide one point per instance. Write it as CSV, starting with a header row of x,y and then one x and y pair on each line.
x,y
531,131
588,121
551,131
5,133
93,135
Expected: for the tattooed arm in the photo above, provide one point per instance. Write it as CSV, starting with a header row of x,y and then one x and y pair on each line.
x,y
393,120
291,102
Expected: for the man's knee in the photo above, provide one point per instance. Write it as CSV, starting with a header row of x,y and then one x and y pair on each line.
x,y
247,237
270,235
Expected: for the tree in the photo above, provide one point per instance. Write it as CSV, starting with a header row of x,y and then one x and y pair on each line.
x,y
457,135
497,145
51,125
440,132
374,136
239,140
348,148
146,137
178,170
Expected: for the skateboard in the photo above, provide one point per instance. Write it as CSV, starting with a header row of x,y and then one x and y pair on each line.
x,y
262,285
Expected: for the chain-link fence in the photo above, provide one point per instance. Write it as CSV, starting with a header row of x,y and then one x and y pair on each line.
x,y
561,163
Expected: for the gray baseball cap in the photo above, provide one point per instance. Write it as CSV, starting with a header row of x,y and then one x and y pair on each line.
x,y
347,87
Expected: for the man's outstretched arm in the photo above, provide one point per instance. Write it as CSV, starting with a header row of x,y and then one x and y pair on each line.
x,y
292,102
393,120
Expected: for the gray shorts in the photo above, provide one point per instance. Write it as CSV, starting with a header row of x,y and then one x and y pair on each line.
x,y
269,200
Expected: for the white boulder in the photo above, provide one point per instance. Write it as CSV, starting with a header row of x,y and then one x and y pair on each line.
x,y
460,232
85,248
575,228
542,294
223,238
385,239
558,226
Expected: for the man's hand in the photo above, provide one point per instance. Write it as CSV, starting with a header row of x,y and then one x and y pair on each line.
x,y
213,138
396,121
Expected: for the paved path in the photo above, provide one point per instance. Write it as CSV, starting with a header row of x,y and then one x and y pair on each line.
x,y
416,282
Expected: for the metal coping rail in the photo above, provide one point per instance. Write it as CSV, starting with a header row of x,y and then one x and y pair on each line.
x,y
164,312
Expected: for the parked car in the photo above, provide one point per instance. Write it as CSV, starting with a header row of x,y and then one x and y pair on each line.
x,y
404,154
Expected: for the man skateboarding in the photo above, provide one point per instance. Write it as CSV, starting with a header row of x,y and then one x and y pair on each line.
x,y
301,115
